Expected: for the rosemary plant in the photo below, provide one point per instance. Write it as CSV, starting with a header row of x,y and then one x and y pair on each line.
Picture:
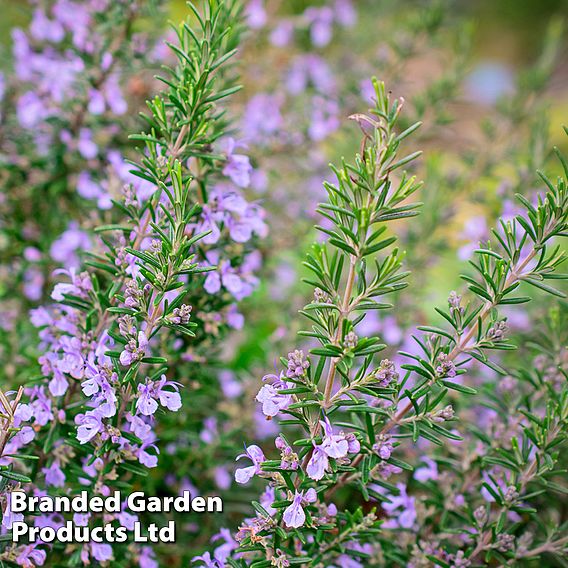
x,y
119,323
350,412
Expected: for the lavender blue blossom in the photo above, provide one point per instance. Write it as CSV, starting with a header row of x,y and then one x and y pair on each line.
x,y
134,350
294,515
272,402
237,166
401,509
151,392
318,464
255,454
334,445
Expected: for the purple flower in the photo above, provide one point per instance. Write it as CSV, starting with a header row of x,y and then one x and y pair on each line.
x,y
41,406
446,367
151,392
297,366
30,555
310,69
53,475
272,402
87,148
147,558
255,14
250,222
383,447
282,33
132,295
324,118
40,317
31,110
294,515
401,509
44,29
223,551
72,361
335,446
58,385
8,517
90,424
345,14
33,284
127,520
100,390
262,118
237,167
386,373
229,384
267,499
386,470
212,283
288,457
88,188
429,471
146,404
353,444
101,551
81,519
140,428
318,463
222,477
169,399
239,282
146,458
321,21
80,285
234,319
240,232
113,96
489,81
134,350
207,561
64,249
210,432
181,315
96,102
475,230
245,474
